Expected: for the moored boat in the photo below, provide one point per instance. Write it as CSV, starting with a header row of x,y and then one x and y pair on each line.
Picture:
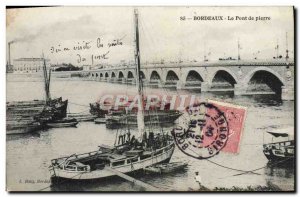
x,y
66,122
282,151
117,119
28,116
96,165
22,127
166,167
100,121
56,110
82,117
96,109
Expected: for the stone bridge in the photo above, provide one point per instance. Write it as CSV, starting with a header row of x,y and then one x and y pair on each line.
x,y
242,77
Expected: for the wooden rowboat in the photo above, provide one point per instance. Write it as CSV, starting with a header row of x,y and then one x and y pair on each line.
x,y
82,117
100,121
166,167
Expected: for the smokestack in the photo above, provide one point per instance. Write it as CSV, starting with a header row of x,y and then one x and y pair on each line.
x,y
9,43
9,53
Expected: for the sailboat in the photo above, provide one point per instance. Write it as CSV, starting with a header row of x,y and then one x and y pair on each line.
x,y
129,153
55,109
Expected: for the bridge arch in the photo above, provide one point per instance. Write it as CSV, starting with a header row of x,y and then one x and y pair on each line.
x,y
101,75
193,76
96,75
106,75
154,76
113,75
223,77
264,79
120,75
171,76
130,75
142,75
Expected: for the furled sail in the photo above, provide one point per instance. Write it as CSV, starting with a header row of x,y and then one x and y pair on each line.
x,y
140,114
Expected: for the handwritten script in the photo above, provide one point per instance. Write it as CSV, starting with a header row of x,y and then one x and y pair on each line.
x,y
100,49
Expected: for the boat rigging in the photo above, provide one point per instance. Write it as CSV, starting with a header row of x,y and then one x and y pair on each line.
x,y
128,154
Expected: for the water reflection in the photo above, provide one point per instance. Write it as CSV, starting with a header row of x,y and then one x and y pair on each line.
x,y
285,169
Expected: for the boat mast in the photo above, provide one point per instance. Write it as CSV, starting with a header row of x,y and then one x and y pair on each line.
x,y
277,49
239,47
140,114
48,90
46,81
287,47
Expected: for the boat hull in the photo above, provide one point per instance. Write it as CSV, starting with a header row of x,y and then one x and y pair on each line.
x,y
82,117
104,173
278,159
100,121
280,152
24,129
166,169
58,125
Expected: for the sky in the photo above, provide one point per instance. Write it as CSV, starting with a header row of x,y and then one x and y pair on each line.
x,y
37,31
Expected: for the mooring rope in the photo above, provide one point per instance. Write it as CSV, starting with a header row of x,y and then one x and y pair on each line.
x,y
79,112
79,104
270,165
230,168
250,171
239,170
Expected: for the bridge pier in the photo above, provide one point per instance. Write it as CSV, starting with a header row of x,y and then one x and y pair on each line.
x,y
133,82
113,80
240,89
145,82
287,93
109,80
180,85
161,84
205,87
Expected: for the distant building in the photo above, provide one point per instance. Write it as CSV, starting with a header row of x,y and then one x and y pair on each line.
x,y
29,65
86,67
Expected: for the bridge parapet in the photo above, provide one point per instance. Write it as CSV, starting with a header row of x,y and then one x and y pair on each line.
x,y
281,62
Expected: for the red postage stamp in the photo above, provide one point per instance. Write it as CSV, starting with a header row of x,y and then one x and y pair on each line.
x,y
210,127
235,116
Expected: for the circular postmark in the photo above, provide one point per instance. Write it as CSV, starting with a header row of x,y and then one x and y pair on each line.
x,y
203,133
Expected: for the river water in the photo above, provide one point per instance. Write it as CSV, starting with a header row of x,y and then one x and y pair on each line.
x,y
28,156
